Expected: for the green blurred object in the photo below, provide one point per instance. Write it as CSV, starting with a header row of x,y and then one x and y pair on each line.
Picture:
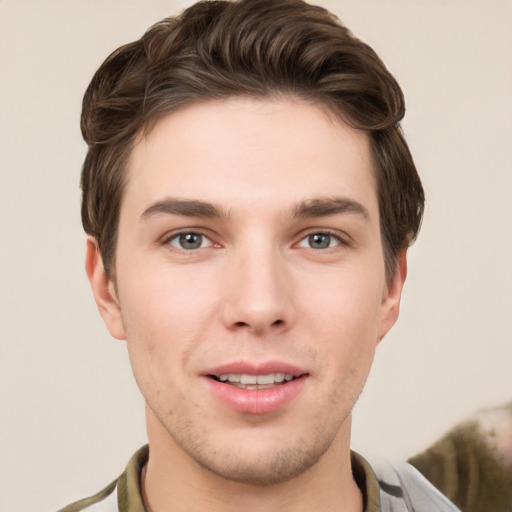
x,y
472,463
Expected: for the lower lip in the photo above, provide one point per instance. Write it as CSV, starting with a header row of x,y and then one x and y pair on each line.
x,y
256,401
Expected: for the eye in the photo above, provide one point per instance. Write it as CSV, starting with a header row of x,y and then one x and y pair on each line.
x,y
319,241
189,241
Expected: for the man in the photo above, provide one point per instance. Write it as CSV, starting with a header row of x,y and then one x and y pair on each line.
x,y
249,200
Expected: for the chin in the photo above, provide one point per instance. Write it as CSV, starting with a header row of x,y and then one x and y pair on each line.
x,y
260,463
281,466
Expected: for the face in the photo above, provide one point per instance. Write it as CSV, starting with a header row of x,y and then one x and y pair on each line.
x,y
250,284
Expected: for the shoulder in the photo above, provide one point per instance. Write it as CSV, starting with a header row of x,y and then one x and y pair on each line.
x,y
396,488
402,487
103,501
123,495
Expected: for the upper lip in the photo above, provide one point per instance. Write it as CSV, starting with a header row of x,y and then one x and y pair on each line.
x,y
251,368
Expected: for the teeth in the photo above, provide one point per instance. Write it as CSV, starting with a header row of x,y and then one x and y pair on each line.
x,y
252,380
231,377
248,379
266,379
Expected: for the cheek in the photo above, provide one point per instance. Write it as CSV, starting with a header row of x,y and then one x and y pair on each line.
x,y
348,306
164,300
344,319
165,318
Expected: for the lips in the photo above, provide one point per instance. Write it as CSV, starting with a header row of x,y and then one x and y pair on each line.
x,y
256,388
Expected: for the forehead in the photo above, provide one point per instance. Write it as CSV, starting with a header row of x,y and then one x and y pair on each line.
x,y
243,151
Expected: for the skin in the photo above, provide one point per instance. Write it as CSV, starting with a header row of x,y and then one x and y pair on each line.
x,y
258,289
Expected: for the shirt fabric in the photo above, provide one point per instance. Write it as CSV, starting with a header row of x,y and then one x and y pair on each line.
x,y
395,489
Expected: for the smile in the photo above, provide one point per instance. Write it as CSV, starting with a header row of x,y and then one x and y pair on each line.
x,y
256,388
245,381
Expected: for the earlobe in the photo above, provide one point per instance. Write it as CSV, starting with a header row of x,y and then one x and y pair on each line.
x,y
104,290
390,307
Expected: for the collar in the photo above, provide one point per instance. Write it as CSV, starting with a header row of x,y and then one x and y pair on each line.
x,y
129,491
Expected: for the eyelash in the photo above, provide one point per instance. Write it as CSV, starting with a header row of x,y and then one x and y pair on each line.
x,y
176,236
340,240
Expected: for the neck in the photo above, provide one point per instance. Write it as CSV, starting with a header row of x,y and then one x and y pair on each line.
x,y
172,480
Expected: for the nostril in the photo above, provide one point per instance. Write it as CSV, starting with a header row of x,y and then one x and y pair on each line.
x,y
257,325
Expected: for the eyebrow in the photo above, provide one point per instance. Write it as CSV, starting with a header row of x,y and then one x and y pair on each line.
x,y
186,208
316,207
323,207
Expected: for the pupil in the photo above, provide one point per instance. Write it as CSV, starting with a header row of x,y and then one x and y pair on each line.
x,y
191,241
319,241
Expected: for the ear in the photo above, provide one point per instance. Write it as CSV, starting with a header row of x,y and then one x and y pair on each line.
x,y
104,290
390,307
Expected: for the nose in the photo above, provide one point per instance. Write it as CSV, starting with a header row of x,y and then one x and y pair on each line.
x,y
258,293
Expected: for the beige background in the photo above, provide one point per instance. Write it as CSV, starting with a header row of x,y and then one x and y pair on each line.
x,y
70,413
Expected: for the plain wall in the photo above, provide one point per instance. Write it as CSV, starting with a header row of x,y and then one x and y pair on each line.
x,y
71,415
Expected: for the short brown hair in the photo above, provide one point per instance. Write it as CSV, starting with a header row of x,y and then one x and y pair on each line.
x,y
262,48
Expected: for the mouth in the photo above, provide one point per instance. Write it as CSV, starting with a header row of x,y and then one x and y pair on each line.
x,y
256,388
247,381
